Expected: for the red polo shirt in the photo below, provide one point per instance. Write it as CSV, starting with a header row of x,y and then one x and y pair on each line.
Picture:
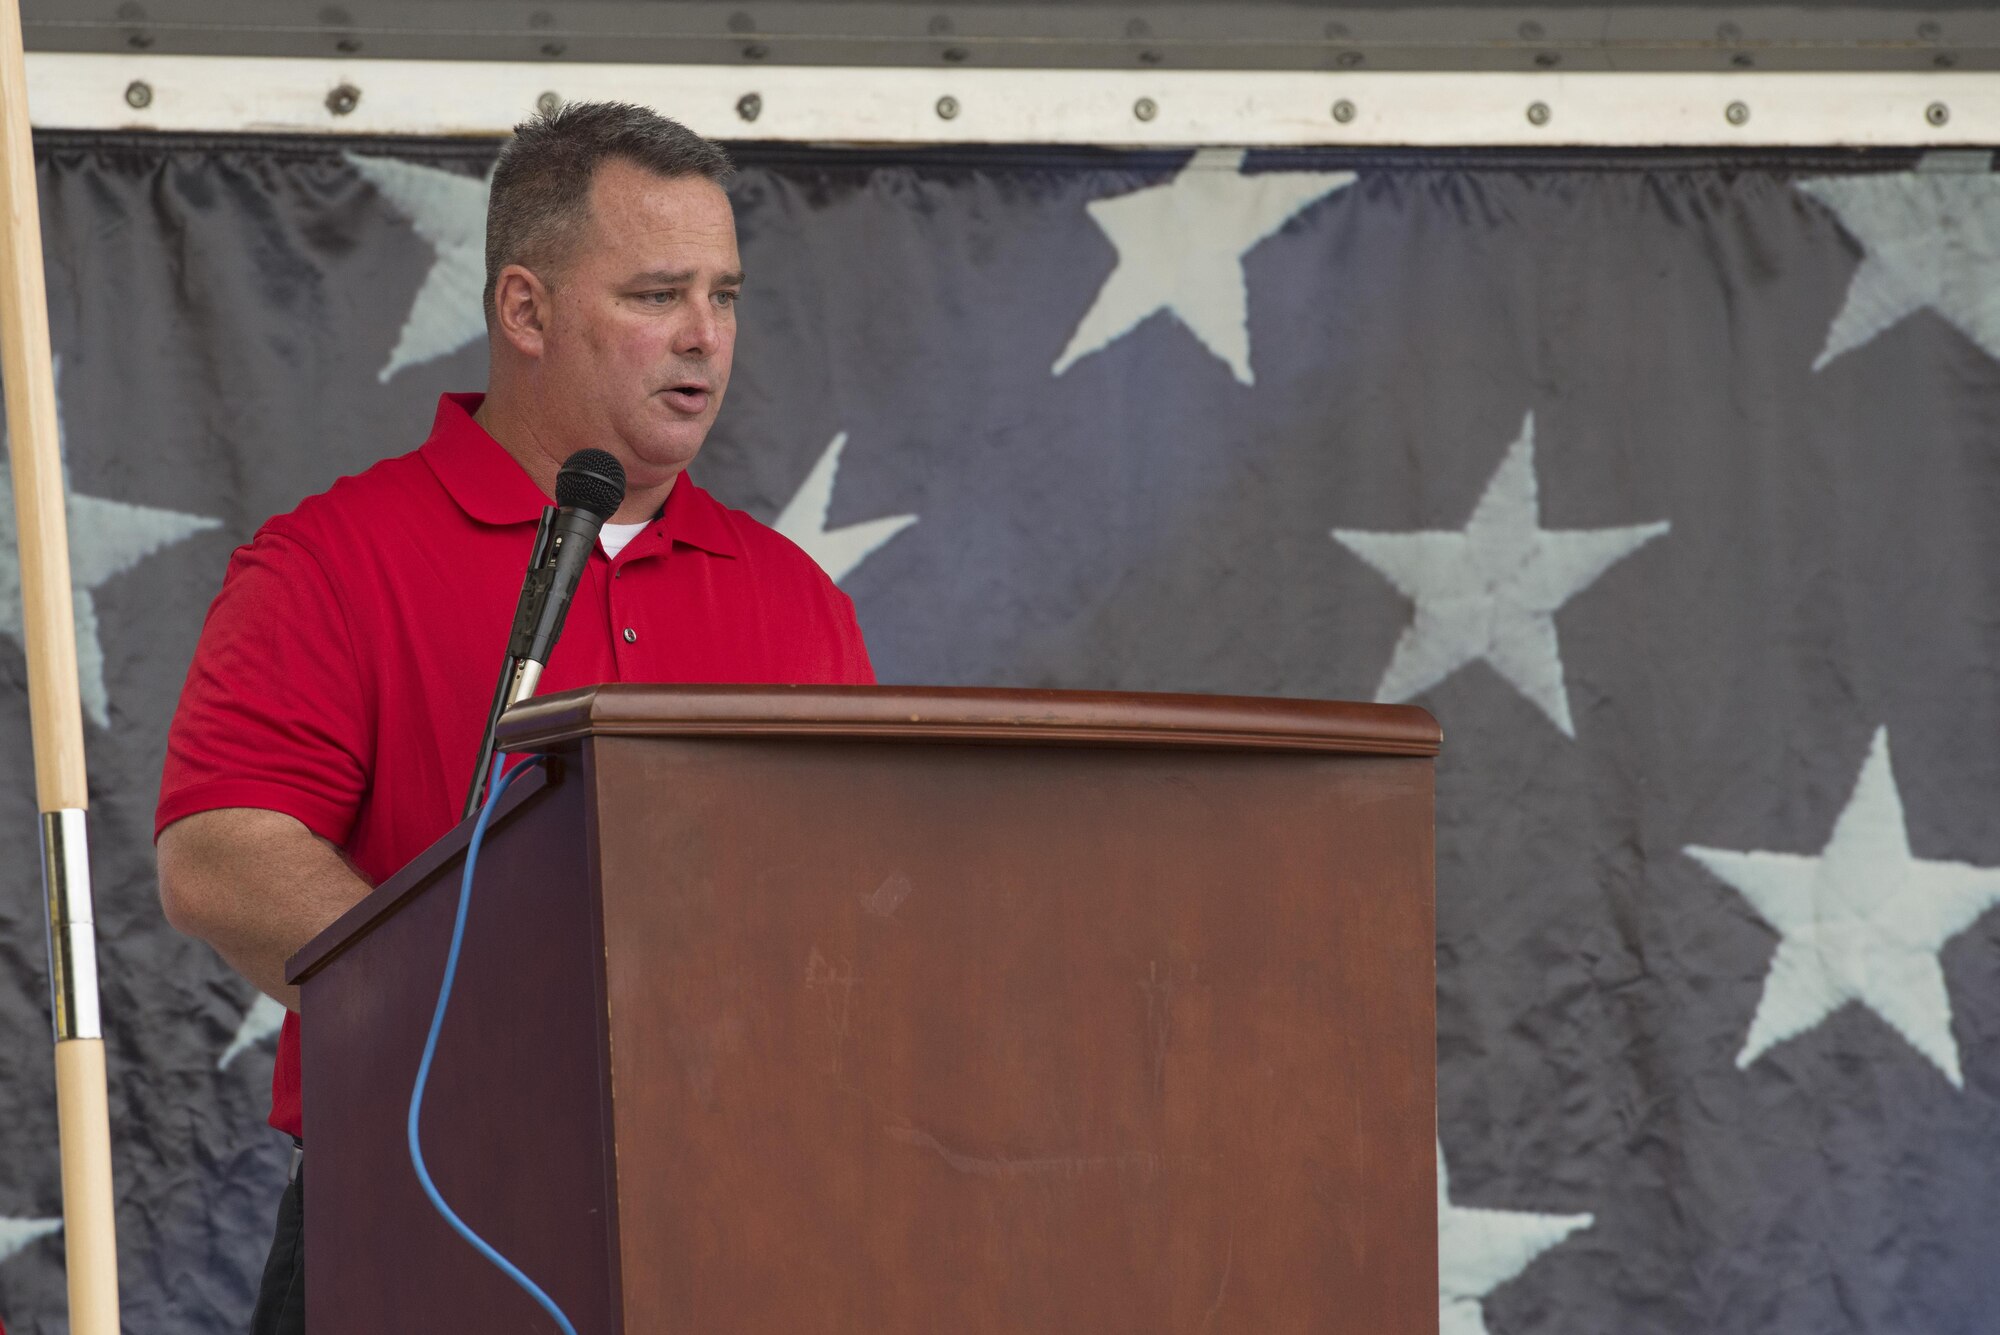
x,y
346,667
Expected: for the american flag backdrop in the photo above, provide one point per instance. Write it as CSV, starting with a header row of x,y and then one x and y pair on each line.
x,y
1670,483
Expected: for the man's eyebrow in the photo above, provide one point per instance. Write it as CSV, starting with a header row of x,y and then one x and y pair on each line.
x,y
661,278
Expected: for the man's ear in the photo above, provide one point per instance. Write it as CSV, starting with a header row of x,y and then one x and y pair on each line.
x,y
521,309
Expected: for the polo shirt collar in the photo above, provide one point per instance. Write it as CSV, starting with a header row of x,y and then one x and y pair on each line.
x,y
492,487
481,476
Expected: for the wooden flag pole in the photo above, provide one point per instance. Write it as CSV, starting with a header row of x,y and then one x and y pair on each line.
x,y
49,624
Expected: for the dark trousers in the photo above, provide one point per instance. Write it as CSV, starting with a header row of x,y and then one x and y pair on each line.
x,y
281,1298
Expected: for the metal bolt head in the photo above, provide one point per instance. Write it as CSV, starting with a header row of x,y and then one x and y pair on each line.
x,y
1737,113
756,51
343,99
947,107
549,103
750,106
1343,111
1937,113
1538,113
138,94
1145,108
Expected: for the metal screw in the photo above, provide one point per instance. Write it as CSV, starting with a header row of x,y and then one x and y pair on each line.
x,y
347,46
138,93
343,99
1343,111
1538,113
1743,60
750,106
955,55
549,103
756,51
1347,60
1145,108
1737,113
1937,113
553,49
1548,60
947,107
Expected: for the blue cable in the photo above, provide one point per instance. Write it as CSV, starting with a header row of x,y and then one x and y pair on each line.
x,y
479,1244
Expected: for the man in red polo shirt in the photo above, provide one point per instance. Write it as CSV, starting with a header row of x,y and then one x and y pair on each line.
x,y
328,726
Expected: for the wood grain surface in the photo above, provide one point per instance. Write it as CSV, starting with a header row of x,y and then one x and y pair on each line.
x,y
791,1028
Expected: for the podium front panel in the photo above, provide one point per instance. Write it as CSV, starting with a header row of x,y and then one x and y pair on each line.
x,y
921,1038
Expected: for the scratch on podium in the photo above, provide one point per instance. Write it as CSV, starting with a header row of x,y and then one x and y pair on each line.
x,y
1002,1166
1158,986
836,989
888,896
1228,1260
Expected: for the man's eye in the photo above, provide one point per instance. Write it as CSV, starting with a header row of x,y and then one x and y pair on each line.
x,y
656,298
727,298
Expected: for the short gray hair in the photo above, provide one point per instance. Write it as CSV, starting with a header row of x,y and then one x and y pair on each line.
x,y
540,197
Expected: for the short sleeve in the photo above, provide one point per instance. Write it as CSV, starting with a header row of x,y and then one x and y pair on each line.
x,y
274,713
851,665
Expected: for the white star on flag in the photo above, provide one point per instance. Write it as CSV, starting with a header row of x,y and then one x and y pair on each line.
x,y
838,551
1181,247
107,538
447,209
1491,590
1862,921
15,1234
264,1018
1479,1250
1930,238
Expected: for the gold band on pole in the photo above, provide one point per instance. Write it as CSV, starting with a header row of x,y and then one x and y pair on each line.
x,y
55,710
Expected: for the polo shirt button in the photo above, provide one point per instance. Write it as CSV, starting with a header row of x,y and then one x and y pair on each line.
x,y
631,636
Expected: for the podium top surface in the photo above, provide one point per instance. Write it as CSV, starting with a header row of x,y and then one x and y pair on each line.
x,y
972,715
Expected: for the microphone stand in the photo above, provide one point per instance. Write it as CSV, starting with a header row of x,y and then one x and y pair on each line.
x,y
519,674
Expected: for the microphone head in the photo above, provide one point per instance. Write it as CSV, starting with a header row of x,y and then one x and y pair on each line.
x,y
591,480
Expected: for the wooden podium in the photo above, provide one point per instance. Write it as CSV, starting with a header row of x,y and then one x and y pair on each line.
x,y
923,1012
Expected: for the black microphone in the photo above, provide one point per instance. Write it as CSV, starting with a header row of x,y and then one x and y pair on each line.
x,y
589,489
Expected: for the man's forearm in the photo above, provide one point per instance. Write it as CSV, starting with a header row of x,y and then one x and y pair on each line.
x,y
256,885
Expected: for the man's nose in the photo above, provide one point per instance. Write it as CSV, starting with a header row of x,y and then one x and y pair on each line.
x,y
701,335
